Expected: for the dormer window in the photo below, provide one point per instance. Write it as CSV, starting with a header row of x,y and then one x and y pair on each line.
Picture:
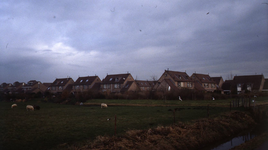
x,y
87,80
81,81
111,79
204,79
61,82
116,79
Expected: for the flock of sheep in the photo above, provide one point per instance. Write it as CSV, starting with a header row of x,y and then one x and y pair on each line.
x,y
28,107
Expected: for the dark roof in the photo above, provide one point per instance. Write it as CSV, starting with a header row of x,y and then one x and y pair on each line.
x,y
96,86
178,76
198,86
203,78
171,84
61,82
254,80
227,84
144,83
85,80
216,79
126,86
115,78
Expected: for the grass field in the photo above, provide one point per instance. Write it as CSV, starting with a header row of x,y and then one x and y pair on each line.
x,y
56,124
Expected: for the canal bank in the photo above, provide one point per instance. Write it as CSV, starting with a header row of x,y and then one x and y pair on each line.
x,y
198,134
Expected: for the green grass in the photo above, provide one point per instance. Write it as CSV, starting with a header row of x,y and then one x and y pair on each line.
x,y
56,124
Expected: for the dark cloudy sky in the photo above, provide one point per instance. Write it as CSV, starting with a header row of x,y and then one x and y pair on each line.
x,y
45,40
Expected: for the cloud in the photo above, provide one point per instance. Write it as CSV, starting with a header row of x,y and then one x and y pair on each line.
x,y
47,39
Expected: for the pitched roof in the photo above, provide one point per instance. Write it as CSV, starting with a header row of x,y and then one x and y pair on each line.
x,y
126,86
85,80
115,78
254,80
61,82
178,76
227,85
203,78
144,83
216,79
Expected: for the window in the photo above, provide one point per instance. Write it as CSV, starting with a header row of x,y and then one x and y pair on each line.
x,y
104,86
179,84
212,85
189,84
116,86
116,79
111,79
248,87
60,87
169,88
87,80
205,85
61,82
77,87
85,86
81,81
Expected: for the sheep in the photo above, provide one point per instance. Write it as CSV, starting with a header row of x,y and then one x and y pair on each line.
x,y
36,107
180,98
103,105
29,107
14,105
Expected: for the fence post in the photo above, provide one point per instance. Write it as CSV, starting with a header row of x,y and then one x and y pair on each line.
x,y
230,105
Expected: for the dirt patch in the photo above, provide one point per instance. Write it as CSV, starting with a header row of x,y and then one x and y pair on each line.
x,y
192,135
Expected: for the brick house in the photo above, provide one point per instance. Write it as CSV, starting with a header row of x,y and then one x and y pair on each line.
x,y
33,86
249,83
174,80
205,81
241,84
115,82
59,85
83,84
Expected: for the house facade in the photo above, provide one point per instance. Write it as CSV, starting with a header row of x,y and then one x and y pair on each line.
x,y
59,85
205,81
115,82
249,83
83,84
174,80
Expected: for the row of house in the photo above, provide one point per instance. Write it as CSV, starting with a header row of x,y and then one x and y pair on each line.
x,y
121,83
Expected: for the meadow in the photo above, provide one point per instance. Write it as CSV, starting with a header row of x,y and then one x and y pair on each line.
x,y
57,124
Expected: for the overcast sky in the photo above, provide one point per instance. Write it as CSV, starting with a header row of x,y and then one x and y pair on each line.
x,y
45,40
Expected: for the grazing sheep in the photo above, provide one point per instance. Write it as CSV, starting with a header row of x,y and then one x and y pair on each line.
x,y
180,98
213,98
29,107
36,107
14,105
103,105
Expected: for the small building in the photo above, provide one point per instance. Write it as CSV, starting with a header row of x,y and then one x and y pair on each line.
x,y
83,84
59,85
174,80
205,80
115,82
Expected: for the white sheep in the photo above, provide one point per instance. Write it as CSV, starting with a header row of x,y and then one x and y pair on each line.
x,y
103,105
29,107
14,105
